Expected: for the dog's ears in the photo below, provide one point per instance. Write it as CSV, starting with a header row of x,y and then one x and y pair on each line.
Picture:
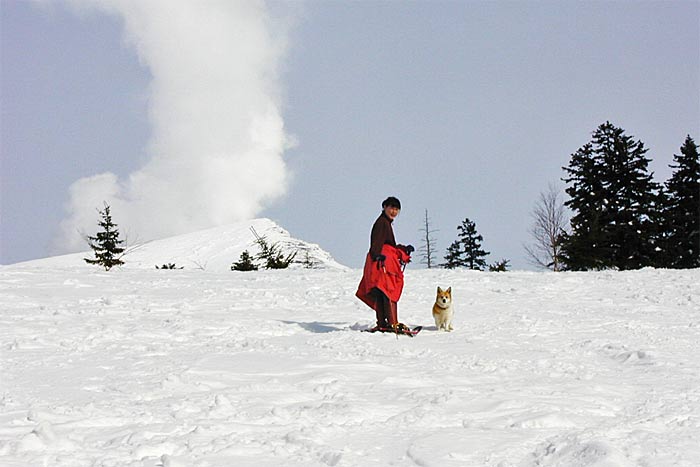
x,y
439,289
449,290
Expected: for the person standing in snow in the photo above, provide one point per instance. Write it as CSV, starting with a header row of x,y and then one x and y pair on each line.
x,y
382,279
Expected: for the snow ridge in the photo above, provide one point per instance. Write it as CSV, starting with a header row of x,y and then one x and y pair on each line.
x,y
212,249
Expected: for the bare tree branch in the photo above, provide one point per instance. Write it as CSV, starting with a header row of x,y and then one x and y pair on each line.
x,y
549,223
427,248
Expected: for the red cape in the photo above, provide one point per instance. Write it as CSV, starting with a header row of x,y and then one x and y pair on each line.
x,y
386,276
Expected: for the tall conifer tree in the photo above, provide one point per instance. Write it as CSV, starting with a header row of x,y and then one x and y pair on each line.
x,y
681,214
614,199
631,196
584,247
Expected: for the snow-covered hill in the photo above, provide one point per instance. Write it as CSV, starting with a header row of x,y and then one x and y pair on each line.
x,y
213,249
143,367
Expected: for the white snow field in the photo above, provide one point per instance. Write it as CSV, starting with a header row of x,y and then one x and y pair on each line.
x,y
145,367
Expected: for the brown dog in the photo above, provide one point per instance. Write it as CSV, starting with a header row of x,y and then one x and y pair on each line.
x,y
442,309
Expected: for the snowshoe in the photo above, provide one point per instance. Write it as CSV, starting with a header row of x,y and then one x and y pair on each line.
x,y
397,329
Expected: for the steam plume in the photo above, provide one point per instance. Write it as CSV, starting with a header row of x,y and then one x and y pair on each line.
x,y
217,131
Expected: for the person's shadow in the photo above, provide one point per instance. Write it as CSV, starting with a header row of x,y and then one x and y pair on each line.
x,y
318,327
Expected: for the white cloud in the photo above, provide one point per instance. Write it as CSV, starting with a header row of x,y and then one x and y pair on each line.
x,y
217,131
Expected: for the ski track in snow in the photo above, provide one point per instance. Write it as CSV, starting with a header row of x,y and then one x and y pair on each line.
x,y
194,368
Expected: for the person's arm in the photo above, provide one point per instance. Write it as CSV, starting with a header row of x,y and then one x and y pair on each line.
x,y
408,249
377,239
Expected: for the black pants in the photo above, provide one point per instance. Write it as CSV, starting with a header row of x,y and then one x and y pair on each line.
x,y
386,310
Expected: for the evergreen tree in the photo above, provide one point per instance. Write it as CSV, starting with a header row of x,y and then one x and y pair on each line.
x,y
500,266
245,263
106,244
584,247
271,255
614,199
659,230
633,198
309,262
681,213
470,241
454,257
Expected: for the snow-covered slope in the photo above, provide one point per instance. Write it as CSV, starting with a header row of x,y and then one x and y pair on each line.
x,y
139,367
213,249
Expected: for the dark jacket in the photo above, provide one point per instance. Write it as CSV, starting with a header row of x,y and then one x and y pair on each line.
x,y
387,275
382,234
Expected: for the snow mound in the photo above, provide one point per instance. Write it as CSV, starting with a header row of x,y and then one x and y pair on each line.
x,y
212,249
576,453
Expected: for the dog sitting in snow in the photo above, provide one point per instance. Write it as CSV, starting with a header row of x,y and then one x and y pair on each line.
x,y
442,310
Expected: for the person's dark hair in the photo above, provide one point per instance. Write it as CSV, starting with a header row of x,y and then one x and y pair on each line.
x,y
392,202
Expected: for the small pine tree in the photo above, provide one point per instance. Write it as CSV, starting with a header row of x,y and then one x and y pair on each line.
x,y
454,257
470,241
466,251
272,255
169,266
500,266
106,244
245,263
681,212
309,262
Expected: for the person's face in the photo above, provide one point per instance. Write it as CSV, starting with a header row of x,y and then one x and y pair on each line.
x,y
392,212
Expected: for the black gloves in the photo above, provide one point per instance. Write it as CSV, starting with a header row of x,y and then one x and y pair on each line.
x,y
410,249
380,257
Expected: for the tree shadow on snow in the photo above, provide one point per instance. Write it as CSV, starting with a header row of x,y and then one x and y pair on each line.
x,y
318,327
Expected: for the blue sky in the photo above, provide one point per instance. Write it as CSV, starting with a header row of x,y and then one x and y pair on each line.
x,y
467,109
